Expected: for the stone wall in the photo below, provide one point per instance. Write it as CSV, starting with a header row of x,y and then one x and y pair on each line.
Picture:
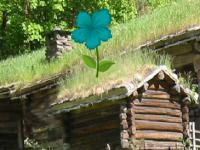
x,y
58,42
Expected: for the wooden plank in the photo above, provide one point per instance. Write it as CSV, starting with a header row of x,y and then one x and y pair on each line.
x,y
93,128
97,111
180,49
96,138
156,110
162,118
144,100
156,94
95,119
158,104
161,126
158,135
95,115
158,145
183,60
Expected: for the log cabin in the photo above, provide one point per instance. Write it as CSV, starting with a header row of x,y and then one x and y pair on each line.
x,y
184,47
11,121
149,111
150,114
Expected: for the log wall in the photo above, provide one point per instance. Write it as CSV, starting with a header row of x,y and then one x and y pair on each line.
x,y
94,127
11,132
160,122
38,125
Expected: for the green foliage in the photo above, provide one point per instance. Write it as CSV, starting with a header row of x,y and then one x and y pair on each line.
x,y
105,65
126,37
158,3
31,144
89,61
27,21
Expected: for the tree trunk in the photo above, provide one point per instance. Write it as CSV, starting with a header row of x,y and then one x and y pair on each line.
x,y
4,21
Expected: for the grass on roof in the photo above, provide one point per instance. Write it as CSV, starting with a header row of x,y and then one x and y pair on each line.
x,y
126,36
127,67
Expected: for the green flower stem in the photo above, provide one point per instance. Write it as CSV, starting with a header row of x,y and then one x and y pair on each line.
x,y
97,52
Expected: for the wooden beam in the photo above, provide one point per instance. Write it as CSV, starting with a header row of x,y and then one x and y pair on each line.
x,y
161,118
158,135
156,110
185,59
159,126
158,104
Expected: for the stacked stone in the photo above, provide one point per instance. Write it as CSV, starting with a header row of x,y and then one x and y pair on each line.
x,y
58,42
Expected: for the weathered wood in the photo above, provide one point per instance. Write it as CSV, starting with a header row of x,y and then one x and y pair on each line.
x,y
158,135
162,118
124,124
161,75
156,110
89,119
158,145
91,129
158,104
98,135
183,60
144,100
96,121
99,112
176,89
151,94
161,126
135,94
186,100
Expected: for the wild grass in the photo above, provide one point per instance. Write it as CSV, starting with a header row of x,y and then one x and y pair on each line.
x,y
124,70
126,36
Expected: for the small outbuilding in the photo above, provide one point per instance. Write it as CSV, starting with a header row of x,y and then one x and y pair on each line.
x,y
11,121
149,112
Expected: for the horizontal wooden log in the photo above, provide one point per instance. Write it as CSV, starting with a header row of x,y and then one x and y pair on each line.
x,y
161,126
158,135
156,94
95,120
162,118
152,100
90,119
156,110
93,128
158,145
183,60
96,140
158,104
99,146
6,116
98,111
76,138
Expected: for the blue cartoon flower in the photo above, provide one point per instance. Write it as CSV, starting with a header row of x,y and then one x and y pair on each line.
x,y
92,28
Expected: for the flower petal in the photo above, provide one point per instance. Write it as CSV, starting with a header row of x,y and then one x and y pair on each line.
x,y
101,18
80,35
93,40
104,33
83,20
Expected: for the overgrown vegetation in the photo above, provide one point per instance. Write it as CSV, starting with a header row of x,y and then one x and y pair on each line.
x,y
126,37
126,67
24,23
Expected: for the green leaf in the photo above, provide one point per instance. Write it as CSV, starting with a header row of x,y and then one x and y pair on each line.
x,y
89,61
105,65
